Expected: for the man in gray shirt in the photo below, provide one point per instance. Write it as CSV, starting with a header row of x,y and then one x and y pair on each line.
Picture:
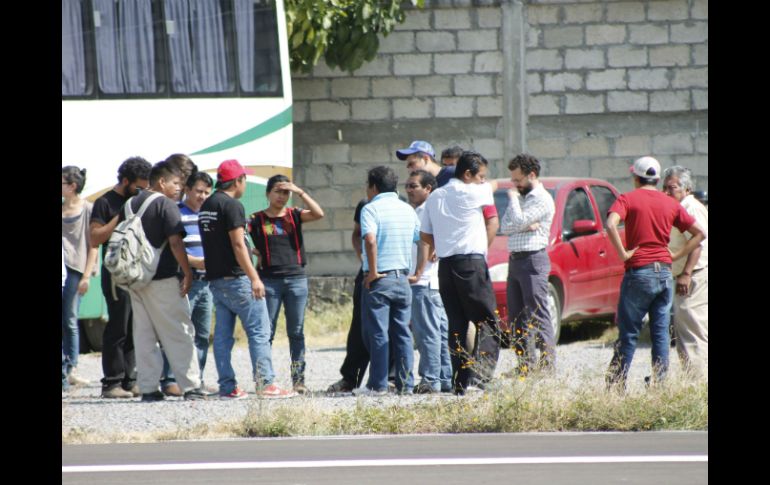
x,y
527,221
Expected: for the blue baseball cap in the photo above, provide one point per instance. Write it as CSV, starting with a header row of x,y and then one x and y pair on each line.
x,y
416,146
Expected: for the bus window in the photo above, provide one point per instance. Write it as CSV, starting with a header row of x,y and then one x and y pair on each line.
x,y
259,63
73,56
125,46
197,46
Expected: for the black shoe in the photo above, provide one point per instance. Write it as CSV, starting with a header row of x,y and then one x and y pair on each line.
x,y
153,397
196,394
424,388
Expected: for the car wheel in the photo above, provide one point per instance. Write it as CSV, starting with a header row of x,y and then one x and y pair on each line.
x,y
554,309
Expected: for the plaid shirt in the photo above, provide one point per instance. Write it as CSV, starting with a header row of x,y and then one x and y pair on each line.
x,y
522,212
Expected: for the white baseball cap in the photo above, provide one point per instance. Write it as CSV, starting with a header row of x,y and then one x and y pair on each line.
x,y
646,167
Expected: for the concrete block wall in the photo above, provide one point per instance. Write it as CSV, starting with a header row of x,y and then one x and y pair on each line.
x,y
605,82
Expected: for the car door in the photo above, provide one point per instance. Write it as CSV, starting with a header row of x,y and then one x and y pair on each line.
x,y
612,265
578,254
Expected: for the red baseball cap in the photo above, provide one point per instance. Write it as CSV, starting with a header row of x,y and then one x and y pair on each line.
x,y
231,170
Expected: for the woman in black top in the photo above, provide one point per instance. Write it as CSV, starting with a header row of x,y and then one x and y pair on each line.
x,y
277,236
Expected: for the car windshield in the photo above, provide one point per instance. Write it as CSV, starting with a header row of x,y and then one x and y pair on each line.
x,y
501,202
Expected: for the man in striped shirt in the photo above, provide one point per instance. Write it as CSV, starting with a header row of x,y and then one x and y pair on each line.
x,y
389,227
197,189
527,221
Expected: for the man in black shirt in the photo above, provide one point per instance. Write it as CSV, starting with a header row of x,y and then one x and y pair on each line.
x,y
118,361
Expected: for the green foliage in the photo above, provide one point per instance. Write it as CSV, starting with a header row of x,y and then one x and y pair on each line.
x,y
346,32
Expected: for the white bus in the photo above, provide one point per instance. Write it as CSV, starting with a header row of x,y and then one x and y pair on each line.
x,y
207,78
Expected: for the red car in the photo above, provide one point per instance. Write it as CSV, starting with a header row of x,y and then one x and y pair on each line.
x,y
585,269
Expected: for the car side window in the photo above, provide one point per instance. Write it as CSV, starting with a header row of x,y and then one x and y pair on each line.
x,y
578,207
604,199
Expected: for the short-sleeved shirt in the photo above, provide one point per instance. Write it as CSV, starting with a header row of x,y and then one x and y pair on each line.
x,y
220,214
192,241
395,227
679,239
446,174
161,220
106,208
454,215
280,244
430,270
649,216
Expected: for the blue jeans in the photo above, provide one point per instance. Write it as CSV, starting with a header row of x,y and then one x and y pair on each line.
x,y
386,308
233,297
201,305
292,292
431,332
70,305
645,290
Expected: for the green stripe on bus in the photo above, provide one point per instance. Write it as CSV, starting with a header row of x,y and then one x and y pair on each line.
x,y
272,125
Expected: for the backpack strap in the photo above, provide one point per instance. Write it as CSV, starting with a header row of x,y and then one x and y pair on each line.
x,y
129,212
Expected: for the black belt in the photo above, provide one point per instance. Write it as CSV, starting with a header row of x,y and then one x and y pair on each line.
x,y
397,272
463,257
199,276
524,254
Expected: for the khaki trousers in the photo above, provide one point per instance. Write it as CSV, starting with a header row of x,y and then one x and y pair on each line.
x,y
691,325
162,315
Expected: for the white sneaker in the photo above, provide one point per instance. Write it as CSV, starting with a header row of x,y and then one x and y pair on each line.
x,y
365,391
76,380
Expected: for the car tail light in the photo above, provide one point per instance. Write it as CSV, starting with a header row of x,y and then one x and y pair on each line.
x,y
499,273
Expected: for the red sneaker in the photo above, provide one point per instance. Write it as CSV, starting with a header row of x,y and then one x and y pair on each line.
x,y
272,391
237,393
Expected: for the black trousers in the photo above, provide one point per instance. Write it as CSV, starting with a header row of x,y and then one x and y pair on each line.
x,y
118,358
356,357
467,294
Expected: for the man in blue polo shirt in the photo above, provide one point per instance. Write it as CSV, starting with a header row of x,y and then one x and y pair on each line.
x,y
389,227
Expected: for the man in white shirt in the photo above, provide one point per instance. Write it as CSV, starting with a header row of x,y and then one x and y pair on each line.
x,y
691,295
527,221
453,223
429,321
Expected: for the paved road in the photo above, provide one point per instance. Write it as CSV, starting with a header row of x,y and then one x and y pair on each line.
x,y
531,458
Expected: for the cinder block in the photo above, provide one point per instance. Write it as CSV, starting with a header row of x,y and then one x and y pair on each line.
x,y
690,32
432,86
416,20
700,99
534,83
560,36
473,85
672,144
343,218
568,168
349,175
435,41
329,110
491,148
452,19
702,143
625,12
668,10
544,60
670,101
632,146
543,104
606,80
305,89
589,147
584,103
691,78
648,34
699,164
610,168
397,42
581,14
605,34
313,177
392,88
563,81
412,64
647,79
322,70
453,63
625,101
371,109
583,59
700,10
533,37
413,108
331,154
350,88
299,111
489,106
322,241
627,56
454,107
332,198
477,40
487,62
700,54
547,148
380,66
489,18
542,14
370,154
670,55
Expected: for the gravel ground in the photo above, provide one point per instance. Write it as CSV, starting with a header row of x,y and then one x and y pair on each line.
x,y
84,410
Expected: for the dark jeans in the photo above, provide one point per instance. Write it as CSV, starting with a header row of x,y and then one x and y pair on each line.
x,y
527,297
356,356
118,359
466,290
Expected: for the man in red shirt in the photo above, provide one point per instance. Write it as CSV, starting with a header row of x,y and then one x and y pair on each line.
x,y
647,286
